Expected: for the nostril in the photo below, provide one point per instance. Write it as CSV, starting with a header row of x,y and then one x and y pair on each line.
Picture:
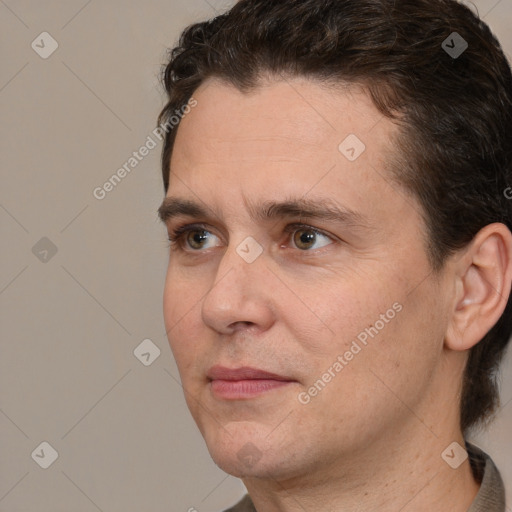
x,y
241,325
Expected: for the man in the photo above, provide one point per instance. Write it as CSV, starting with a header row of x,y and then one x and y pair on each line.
x,y
338,290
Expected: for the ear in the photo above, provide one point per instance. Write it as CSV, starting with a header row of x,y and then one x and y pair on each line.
x,y
483,281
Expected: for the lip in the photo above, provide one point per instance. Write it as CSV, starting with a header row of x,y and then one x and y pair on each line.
x,y
242,373
244,382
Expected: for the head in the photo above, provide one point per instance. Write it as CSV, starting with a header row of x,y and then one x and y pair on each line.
x,y
406,278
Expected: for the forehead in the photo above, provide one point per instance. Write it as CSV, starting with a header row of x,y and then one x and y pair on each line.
x,y
289,138
281,117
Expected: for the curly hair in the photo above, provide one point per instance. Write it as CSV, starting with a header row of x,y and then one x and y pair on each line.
x,y
454,109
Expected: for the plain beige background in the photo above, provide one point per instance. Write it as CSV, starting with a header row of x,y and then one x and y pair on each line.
x,y
71,320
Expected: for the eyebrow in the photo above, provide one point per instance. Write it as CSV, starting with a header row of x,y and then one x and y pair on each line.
x,y
318,209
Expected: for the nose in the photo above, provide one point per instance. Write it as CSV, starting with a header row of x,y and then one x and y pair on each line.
x,y
241,295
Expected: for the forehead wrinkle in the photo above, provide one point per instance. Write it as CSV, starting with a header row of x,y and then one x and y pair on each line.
x,y
212,210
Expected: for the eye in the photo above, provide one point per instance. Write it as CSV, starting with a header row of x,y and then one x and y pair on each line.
x,y
193,237
306,237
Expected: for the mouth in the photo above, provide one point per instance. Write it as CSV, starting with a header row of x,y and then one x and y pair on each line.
x,y
244,382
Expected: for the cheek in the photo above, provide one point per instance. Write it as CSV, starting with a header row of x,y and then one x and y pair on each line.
x,y
372,322
181,301
344,307
404,355
368,386
181,293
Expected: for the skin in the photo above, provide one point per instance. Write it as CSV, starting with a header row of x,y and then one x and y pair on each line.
x,y
372,439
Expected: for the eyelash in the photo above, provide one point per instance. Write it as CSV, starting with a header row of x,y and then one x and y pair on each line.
x,y
178,234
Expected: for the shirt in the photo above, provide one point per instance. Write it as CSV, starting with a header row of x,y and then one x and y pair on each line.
x,y
490,497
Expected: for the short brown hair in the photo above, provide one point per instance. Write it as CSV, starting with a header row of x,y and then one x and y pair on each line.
x,y
455,145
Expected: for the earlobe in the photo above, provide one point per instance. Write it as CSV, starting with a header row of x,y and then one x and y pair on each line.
x,y
483,285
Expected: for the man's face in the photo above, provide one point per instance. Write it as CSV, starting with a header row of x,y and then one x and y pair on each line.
x,y
293,301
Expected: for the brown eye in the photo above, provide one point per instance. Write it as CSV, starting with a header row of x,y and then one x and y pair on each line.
x,y
305,238
192,238
196,238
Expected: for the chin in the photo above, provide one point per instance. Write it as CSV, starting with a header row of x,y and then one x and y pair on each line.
x,y
249,462
249,452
